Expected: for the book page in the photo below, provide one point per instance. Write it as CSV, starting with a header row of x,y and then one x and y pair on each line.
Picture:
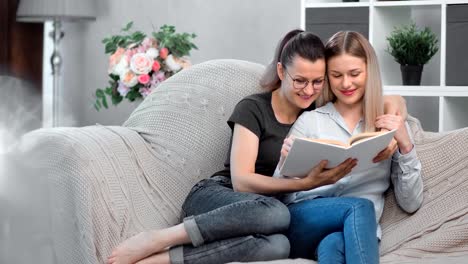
x,y
365,150
328,141
364,135
306,154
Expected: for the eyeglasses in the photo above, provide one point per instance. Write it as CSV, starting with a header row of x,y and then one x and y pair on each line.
x,y
300,84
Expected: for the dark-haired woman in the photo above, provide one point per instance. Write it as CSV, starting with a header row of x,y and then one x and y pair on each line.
x,y
234,216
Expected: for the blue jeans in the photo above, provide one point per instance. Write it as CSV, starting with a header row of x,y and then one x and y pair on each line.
x,y
226,226
334,230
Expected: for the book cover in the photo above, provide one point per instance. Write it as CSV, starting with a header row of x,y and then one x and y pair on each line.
x,y
307,153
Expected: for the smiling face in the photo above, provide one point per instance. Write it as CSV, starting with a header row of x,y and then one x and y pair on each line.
x,y
298,73
347,75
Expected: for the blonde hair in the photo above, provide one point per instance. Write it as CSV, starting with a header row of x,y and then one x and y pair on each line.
x,y
355,44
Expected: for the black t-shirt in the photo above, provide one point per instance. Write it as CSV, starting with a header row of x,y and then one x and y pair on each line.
x,y
256,114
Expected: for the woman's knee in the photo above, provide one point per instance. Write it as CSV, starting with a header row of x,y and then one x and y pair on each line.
x,y
333,241
273,247
362,205
332,249
274,214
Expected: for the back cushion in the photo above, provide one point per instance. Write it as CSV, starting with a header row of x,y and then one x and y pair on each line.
x,y
184,119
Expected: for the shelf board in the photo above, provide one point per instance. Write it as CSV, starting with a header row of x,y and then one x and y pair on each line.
x,y
454,2
408,3
311,4
446,91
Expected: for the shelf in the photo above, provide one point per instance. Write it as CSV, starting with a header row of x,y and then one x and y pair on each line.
x,y
406,3
325,24
445,91
310,4
441,102
455,2
386,19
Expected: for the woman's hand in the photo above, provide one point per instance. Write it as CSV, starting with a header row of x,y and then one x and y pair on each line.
x,y
402,137
287,143
386,153
319,176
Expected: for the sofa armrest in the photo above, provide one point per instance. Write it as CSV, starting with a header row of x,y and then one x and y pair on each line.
x,y
97,187
437,227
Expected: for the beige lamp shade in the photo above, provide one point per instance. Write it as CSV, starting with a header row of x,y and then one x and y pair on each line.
x,y
64,10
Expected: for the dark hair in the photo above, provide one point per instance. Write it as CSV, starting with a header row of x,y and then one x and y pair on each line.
x,y
295,42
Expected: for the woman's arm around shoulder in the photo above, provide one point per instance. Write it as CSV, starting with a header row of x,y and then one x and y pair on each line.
x,y
406,177
395,105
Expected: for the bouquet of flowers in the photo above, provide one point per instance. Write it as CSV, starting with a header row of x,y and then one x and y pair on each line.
x,y
138,64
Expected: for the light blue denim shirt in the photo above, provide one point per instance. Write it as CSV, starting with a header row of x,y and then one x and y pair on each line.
x,y
403,170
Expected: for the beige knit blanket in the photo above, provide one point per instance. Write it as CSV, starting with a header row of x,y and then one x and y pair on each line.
x,y
440,227
108,183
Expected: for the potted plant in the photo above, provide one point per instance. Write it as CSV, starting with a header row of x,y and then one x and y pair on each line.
x,y
412,48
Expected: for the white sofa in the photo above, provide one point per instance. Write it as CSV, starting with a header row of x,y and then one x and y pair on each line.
x,y
107,183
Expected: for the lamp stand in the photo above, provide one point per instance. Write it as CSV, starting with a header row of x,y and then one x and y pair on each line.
x,y
56,62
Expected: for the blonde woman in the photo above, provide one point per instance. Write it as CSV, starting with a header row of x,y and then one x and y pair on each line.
x,y
322,224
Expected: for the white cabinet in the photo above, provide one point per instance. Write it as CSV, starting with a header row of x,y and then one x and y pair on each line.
x,y
440,107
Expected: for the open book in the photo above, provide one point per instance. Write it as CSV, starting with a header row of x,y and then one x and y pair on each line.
x,y
307,153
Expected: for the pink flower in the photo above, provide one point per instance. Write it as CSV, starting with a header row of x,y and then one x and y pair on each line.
x,y
160,76
156,66
129,53
141,49
114,59
163,53
141,63
145,91
144,78
149,43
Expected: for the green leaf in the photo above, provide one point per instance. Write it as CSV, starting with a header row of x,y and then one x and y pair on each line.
x,y
99,93
409,45
114,77
97,104
108,90
128,26
104,102
116,99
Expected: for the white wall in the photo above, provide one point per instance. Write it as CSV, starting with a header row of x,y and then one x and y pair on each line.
x,y
239,29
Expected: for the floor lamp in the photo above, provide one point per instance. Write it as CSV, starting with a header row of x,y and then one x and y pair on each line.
x,y
56,11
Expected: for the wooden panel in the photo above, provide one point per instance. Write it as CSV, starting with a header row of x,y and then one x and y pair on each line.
x,y
21,49
21,45
3,35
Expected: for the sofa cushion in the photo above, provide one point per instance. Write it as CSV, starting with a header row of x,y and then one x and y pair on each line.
x,y
184,122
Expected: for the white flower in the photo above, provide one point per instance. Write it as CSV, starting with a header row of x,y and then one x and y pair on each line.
x,y
129,79
141,63
121,67
152,52
172,64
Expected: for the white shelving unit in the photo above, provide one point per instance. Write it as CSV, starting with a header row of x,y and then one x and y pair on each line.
x,y
446,107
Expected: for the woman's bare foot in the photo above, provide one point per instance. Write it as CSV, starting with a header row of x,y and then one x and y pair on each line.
x,y
159,258
139,247
148,243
